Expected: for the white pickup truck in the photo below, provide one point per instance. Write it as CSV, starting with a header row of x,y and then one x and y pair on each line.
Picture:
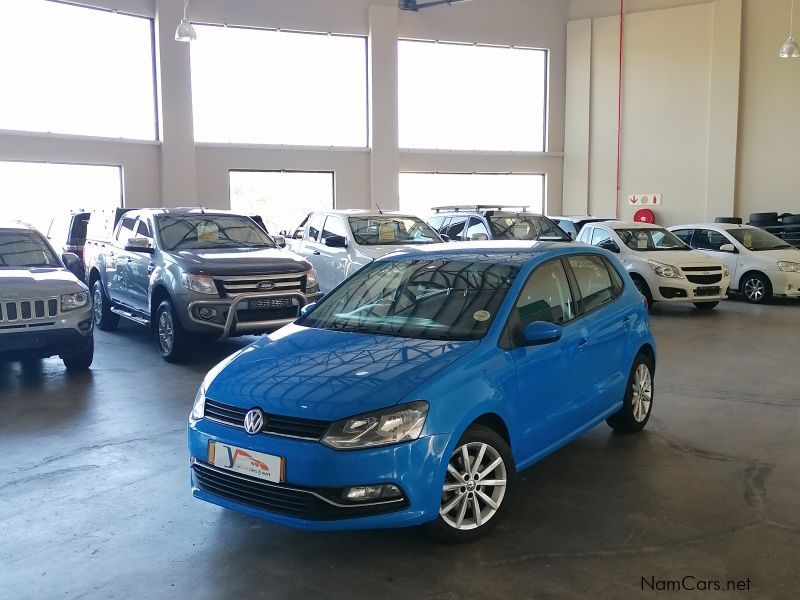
x,y
339,242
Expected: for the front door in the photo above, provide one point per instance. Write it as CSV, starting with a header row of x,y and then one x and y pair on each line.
x,y
710,241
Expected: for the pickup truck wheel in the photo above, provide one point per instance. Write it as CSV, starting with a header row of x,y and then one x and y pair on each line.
x,y
173,339
104,319
80,362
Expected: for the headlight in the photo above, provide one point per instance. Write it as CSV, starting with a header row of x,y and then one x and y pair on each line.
x,y
199,406
380,428
73,301
789,267
312,285
663,270
202,284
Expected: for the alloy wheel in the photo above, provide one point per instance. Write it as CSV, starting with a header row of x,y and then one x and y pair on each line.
x,y
754,289
166,331
474,487
97,308
642,392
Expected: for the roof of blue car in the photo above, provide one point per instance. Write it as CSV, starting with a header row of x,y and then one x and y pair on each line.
x,y
511,251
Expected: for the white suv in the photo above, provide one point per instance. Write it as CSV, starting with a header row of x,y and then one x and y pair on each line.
x,y
761,264
662,266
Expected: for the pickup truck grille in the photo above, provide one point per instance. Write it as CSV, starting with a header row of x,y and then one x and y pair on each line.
x,y
28,310
233,286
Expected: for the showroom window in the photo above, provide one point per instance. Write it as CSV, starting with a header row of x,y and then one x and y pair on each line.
x,y
38,192
259,86
56,81
420,192
472,97
282,198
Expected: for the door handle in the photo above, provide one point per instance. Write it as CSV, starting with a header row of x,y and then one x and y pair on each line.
x,y
317,253
582,344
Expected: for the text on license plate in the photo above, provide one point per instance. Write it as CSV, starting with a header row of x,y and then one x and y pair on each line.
x,y
267,303
246,462
707,291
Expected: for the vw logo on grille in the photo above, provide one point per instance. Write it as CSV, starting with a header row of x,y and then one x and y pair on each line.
x,y
266,285
253,421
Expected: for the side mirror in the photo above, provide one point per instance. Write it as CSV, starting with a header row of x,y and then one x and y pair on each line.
x,y
305,310
336,241
284,233
609,245
73,264
445,237
728,248
298,234
540,332
139,245
280,240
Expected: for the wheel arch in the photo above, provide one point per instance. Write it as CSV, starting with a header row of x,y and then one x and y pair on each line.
x,y
650,353
749,272
158,294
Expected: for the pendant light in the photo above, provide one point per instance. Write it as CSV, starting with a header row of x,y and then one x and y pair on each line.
x,y
790,49
185,32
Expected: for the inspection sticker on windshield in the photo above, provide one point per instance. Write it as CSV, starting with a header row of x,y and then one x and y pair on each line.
x,y
246,462
482,315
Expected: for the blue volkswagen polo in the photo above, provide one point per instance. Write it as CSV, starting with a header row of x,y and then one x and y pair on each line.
x,y
416,390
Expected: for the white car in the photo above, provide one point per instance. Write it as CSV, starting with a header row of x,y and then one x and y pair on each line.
x,y
662,266
339,242
761,264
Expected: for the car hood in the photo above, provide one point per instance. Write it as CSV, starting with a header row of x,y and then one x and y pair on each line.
x,y
330,375
240,261
680,258
37,283
787,254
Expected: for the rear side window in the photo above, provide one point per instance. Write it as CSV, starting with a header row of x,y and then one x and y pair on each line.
x,y
80,223
126,229
143,230
599,236
585,235
546,296
315,226
595,282
477,230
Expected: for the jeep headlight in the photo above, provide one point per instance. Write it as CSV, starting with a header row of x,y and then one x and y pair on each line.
x,y
202,284
789,267
380,428
663,270
73,301
312,285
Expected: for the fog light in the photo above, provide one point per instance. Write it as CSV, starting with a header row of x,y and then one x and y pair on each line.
x,y
85,325
207,313
364,493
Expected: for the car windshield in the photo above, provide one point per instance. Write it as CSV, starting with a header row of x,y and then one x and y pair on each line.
x,y
435,299
650,240
209,232
388,230
525,227
25,249
756,239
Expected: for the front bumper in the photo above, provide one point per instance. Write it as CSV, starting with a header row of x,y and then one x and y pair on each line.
x,y
26,343
228,322
681,290
785,284
315,474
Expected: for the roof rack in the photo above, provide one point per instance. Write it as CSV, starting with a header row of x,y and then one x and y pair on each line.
x,y
473,207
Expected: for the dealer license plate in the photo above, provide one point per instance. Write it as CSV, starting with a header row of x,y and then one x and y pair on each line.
x,y
707,291
267,303
247,462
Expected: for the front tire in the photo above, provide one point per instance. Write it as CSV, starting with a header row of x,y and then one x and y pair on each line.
x,y
756,288
479,475
644,290
104,319
173,340
82,361
638,402
705,305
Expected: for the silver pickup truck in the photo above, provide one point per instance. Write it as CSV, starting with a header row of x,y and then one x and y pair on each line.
x,y
187,272
44,309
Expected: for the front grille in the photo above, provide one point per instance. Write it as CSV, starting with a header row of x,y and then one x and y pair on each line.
x,y
277,498
232,286
307,429
704,279
272,314
27,310
695,269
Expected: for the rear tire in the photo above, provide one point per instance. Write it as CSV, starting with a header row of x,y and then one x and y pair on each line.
x,y
756,288
479,476
104,319
638,402
173,340
644,290
706,305
82,361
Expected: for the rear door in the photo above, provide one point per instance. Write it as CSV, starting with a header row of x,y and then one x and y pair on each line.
x,y
117,268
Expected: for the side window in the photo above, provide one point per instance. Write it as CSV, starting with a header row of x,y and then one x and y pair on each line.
x,y
546,296
568,227
455,229
143,230
585,235
477,230
127,229
685,235
436,222
333,226
599,236
314,227
594,280
709,240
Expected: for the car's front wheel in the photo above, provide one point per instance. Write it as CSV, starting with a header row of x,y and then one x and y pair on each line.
x,y
638,401
173,339
479,474
756,288
81,361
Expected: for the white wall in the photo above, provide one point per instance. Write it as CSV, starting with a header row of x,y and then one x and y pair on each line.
x,y
175,171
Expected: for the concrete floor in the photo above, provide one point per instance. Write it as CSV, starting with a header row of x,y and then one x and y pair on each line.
x,y
95,503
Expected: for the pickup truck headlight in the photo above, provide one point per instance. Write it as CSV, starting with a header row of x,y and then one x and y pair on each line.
x,y
663,270
789,267
73,301
312,285
202,284
380,428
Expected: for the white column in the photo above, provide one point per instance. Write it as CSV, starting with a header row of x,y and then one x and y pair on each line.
x,y
176,128
385,157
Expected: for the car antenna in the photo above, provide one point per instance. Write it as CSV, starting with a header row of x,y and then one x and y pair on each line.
x,y
380,210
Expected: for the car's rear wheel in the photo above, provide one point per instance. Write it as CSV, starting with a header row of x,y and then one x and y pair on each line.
x,y
173,340
638,401
104,319
81,361
479,474
756,288
706,305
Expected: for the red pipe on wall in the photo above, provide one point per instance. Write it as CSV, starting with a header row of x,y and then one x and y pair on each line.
x,y
619,112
